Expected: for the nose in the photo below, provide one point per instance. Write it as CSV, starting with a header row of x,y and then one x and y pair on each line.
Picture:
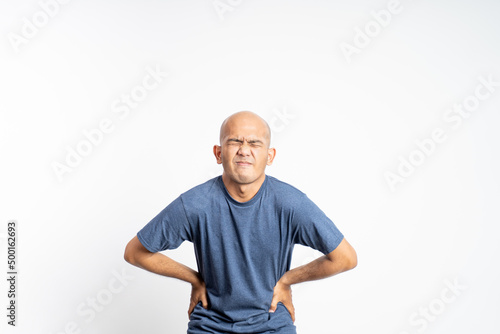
x,y
244,149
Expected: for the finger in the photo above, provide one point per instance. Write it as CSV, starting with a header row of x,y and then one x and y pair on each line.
x,y
204,301
191,309
274,305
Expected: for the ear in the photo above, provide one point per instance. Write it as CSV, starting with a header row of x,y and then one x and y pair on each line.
x,y
218,153
271,153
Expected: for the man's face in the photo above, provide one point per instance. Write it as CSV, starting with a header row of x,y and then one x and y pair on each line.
x,y
244,151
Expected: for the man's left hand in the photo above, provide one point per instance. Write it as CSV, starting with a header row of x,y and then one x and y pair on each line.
x,y
283,293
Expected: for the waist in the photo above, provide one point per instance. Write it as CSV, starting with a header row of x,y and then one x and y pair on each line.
x,y
251,320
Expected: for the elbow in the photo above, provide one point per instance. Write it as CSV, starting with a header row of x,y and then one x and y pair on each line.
x,y
136,253
128,257
353,261
343,258
129,254
350,259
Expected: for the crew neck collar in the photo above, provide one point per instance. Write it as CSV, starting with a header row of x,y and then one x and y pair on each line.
x,y
256,197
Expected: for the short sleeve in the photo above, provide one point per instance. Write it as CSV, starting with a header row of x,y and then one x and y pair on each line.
x,y
167,230
313,228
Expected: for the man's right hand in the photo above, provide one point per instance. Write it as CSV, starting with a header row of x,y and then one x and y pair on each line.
x,y
198,294
137,255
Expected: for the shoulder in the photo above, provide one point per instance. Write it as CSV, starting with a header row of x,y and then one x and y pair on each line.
x,y
200,194
285,193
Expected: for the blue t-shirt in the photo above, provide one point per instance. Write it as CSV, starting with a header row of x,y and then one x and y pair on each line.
x,y
242,249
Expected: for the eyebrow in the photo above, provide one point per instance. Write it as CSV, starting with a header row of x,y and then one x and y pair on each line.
x,y
251,141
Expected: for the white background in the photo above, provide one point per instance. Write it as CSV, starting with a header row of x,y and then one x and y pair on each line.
x,y
349,120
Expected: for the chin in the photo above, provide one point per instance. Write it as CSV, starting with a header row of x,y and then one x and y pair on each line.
x,y
244,179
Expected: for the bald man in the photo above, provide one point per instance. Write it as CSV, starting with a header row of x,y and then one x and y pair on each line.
x,y
243,225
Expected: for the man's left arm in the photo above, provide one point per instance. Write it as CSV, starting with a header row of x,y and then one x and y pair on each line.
x,y
341,259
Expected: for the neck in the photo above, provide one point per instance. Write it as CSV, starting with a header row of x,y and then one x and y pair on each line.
x,y
242,192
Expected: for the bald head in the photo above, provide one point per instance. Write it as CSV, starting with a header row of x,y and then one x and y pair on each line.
x,y
245,119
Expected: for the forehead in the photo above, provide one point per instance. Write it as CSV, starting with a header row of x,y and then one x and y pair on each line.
x,y
245,129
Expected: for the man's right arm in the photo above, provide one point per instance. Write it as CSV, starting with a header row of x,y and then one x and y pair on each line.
x,y
137,255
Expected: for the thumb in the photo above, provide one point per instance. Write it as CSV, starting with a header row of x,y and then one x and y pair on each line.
x,y
274,305
204,301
